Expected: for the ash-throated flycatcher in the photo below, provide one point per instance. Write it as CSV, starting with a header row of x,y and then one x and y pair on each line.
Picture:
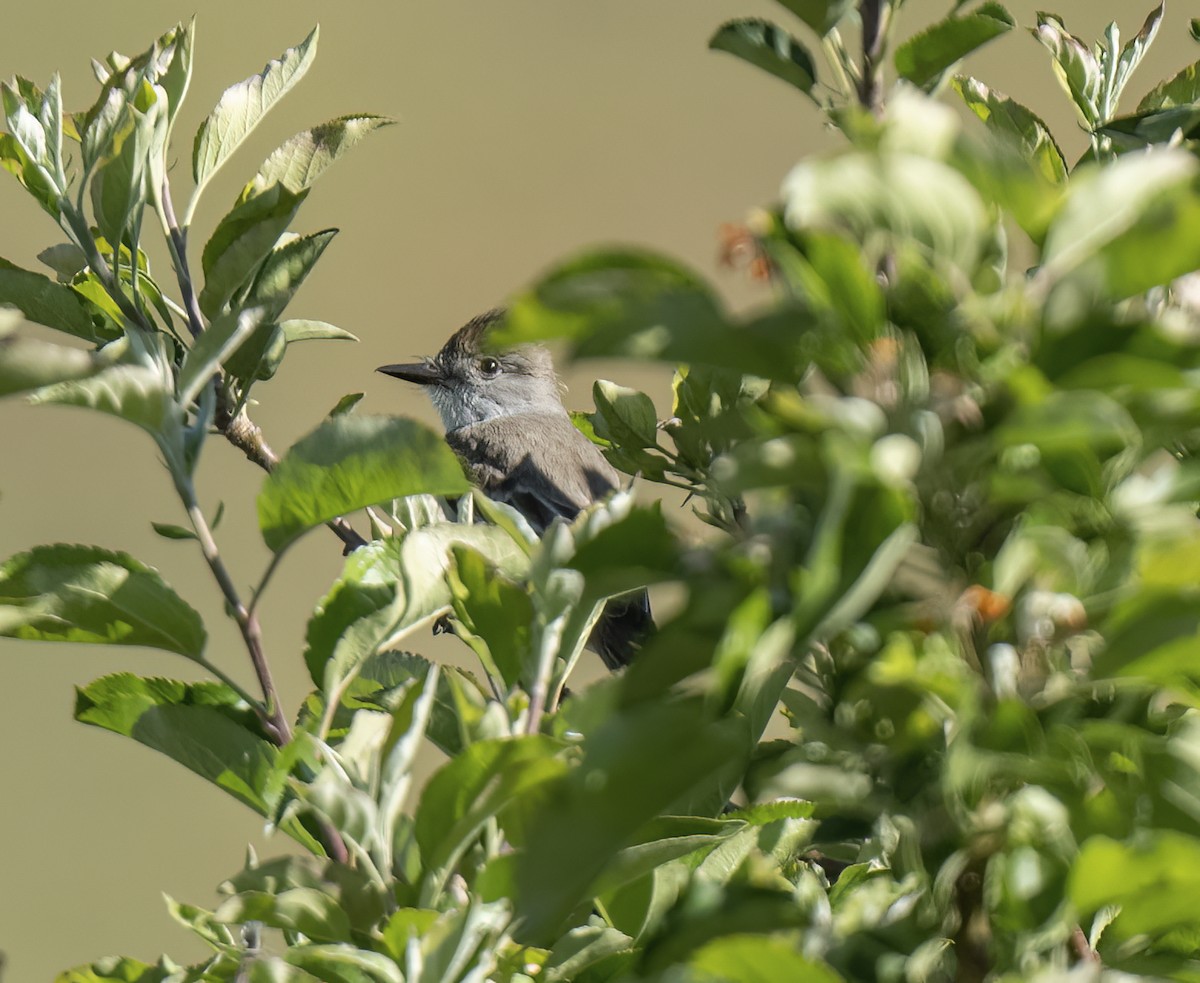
x,y
504,417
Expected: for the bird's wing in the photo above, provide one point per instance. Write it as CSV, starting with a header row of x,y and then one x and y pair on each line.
x,y
537,463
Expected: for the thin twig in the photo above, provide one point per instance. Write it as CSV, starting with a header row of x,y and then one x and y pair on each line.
x,y
247,621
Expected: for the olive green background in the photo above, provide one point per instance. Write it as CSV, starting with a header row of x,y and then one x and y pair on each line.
x,y
528,130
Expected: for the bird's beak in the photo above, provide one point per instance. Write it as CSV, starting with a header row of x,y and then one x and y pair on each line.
x,y
422,373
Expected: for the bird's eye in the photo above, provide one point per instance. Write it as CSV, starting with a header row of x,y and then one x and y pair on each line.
x,y
489,366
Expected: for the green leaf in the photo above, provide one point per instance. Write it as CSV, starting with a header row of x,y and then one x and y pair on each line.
x,y
177,44
204,726
114,969
33,177
598,807
1151,208
360,899
1075,66
118,185
1152,879
581,948
87,594
1134,51
481,782
285,268
27,363
768,47
169,531
641,305
628,414
242,107
925,58
1155,635
495,614
136,393
821,15
751,958
350,462
302,329
212,347
913,199
42,300
1194,28
1013,121
1181,90
242,240
1156,126
66,260
346,404
305,157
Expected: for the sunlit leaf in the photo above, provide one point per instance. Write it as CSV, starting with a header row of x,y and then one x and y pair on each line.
x,y
298,162
242,106
87,594
350,462
925,58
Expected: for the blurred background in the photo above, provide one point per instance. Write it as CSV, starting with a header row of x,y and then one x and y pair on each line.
x,y
528,131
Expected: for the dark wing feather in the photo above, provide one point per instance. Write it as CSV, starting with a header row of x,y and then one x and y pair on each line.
x,y
546,469
537,463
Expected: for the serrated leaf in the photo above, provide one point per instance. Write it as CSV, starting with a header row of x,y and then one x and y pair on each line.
x,y
242,240
1012,120
87,594
177,45
298,162
926,57
496,614
42,300
135,393
350,462
768,47
242,107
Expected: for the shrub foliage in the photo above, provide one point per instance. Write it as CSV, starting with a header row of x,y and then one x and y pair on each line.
x,y
954,557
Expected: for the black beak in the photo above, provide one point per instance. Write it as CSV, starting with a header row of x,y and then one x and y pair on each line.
x,y
422,373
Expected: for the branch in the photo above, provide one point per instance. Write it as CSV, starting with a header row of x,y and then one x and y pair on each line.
x,y
870,86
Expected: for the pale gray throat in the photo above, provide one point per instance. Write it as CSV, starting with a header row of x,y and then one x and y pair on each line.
x,y
463,406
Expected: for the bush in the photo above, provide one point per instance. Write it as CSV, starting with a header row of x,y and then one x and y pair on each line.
x,y
955,511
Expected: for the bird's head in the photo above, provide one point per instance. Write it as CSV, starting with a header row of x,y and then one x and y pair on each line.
x,y
470,383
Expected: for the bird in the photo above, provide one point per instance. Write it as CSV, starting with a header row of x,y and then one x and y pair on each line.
x,y
504,417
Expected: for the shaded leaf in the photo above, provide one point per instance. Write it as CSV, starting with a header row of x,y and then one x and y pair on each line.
x,y
821,15
766,46
42,300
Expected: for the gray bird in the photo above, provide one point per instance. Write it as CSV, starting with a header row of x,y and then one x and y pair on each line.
x,y
504,417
